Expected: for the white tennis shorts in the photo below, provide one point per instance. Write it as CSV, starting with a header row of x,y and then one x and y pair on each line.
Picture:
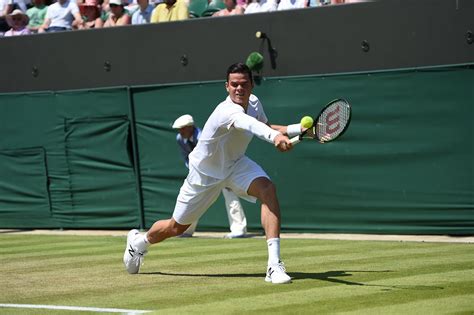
x,y
199,192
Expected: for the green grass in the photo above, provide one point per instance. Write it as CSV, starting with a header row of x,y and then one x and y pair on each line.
x,y
220,276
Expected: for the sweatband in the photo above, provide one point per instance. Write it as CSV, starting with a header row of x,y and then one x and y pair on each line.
x,y
293,130
246,122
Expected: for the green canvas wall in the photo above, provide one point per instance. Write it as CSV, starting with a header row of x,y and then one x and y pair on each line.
x,y
108,158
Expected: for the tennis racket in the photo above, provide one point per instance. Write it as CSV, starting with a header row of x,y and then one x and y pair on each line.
x,y
330,124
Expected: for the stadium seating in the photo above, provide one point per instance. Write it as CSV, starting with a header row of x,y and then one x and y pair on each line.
x,y
197,7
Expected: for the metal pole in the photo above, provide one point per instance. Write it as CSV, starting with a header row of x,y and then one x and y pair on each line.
x,y
136,160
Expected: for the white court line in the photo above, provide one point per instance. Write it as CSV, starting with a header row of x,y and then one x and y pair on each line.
x,y
75,308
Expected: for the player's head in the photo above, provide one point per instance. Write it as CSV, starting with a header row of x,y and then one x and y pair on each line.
x,y
239,83
240,68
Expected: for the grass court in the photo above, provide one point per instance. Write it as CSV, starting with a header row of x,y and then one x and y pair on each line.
x,y
221,276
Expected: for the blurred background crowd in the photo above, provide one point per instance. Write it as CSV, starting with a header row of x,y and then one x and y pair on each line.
x,y
22,17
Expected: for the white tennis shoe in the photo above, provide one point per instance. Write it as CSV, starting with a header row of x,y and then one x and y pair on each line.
x,y
277,274
132,258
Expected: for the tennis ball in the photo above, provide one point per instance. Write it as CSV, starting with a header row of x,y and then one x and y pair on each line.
x,y
306,122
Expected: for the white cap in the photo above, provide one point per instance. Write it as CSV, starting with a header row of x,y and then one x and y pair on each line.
x,y
116,2
183,121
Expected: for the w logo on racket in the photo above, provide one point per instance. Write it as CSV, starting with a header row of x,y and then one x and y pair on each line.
x,y
332,121
330,124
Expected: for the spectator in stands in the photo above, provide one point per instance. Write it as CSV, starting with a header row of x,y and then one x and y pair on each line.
x,y
6,7
18,22
91,14
257,6
231,8
292,4
60,17
37,14
23,5
118,16
242,3
170,10
143,14
317,3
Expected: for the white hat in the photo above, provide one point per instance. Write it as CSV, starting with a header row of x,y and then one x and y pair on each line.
x,y
183,121
116,2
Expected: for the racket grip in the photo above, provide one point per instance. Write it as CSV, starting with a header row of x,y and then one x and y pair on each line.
x,y
295,140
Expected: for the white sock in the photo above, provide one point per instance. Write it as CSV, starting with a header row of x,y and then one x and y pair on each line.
x,y
141,243
273,251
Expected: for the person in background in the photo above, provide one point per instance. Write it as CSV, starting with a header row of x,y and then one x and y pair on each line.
x,y
91,14
37,14
292,4
118,16
231,8
61,16
257,6
170,10
187,139
143,14
6,7
18,22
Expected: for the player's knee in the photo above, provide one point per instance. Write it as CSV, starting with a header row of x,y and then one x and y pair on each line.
x,y
267,191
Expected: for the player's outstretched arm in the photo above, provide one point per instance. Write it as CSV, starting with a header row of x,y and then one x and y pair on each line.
x,y
290,130
281,129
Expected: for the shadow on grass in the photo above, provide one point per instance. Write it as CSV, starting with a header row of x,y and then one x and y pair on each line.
x,y
14,231
333,276
329,276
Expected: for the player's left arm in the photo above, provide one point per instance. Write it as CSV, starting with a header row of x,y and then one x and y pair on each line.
x,y
281,129
290,130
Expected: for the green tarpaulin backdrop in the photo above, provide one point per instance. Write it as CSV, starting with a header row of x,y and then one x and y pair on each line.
x,y
108,158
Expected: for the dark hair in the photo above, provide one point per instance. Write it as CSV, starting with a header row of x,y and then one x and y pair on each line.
x,y
240,68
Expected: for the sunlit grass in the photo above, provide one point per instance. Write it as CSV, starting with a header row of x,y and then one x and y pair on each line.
x,y
222,276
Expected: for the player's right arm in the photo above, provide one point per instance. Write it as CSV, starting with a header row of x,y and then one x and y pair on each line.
x,y
263,131
243,121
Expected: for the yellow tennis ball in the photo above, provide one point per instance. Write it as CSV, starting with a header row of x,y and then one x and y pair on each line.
x,y
306,122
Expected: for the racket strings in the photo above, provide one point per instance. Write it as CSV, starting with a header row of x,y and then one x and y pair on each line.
x,y
332,121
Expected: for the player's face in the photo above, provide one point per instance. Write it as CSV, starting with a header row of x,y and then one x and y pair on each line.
x,y
239,87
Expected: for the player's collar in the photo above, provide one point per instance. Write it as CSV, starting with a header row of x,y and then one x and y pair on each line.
x,y
244,107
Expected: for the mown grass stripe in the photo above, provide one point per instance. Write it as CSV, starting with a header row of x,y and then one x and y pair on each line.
x,y
226,276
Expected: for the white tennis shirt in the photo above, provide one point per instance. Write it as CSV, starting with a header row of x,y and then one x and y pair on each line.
x,y
226,135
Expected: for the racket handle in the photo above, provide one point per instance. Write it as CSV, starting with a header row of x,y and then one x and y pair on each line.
x,y
295,140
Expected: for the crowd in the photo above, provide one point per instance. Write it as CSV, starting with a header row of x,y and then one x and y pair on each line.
x,y
21,17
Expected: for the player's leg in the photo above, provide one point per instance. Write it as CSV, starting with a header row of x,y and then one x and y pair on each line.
x,y
265,191
137,243
190,230
193,200
251,182
235,213
164,229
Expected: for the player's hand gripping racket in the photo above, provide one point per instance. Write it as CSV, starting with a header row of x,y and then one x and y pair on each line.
x,y
330,124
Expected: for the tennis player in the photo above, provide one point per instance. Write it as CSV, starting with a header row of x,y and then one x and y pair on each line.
x,y
219,161
187,138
